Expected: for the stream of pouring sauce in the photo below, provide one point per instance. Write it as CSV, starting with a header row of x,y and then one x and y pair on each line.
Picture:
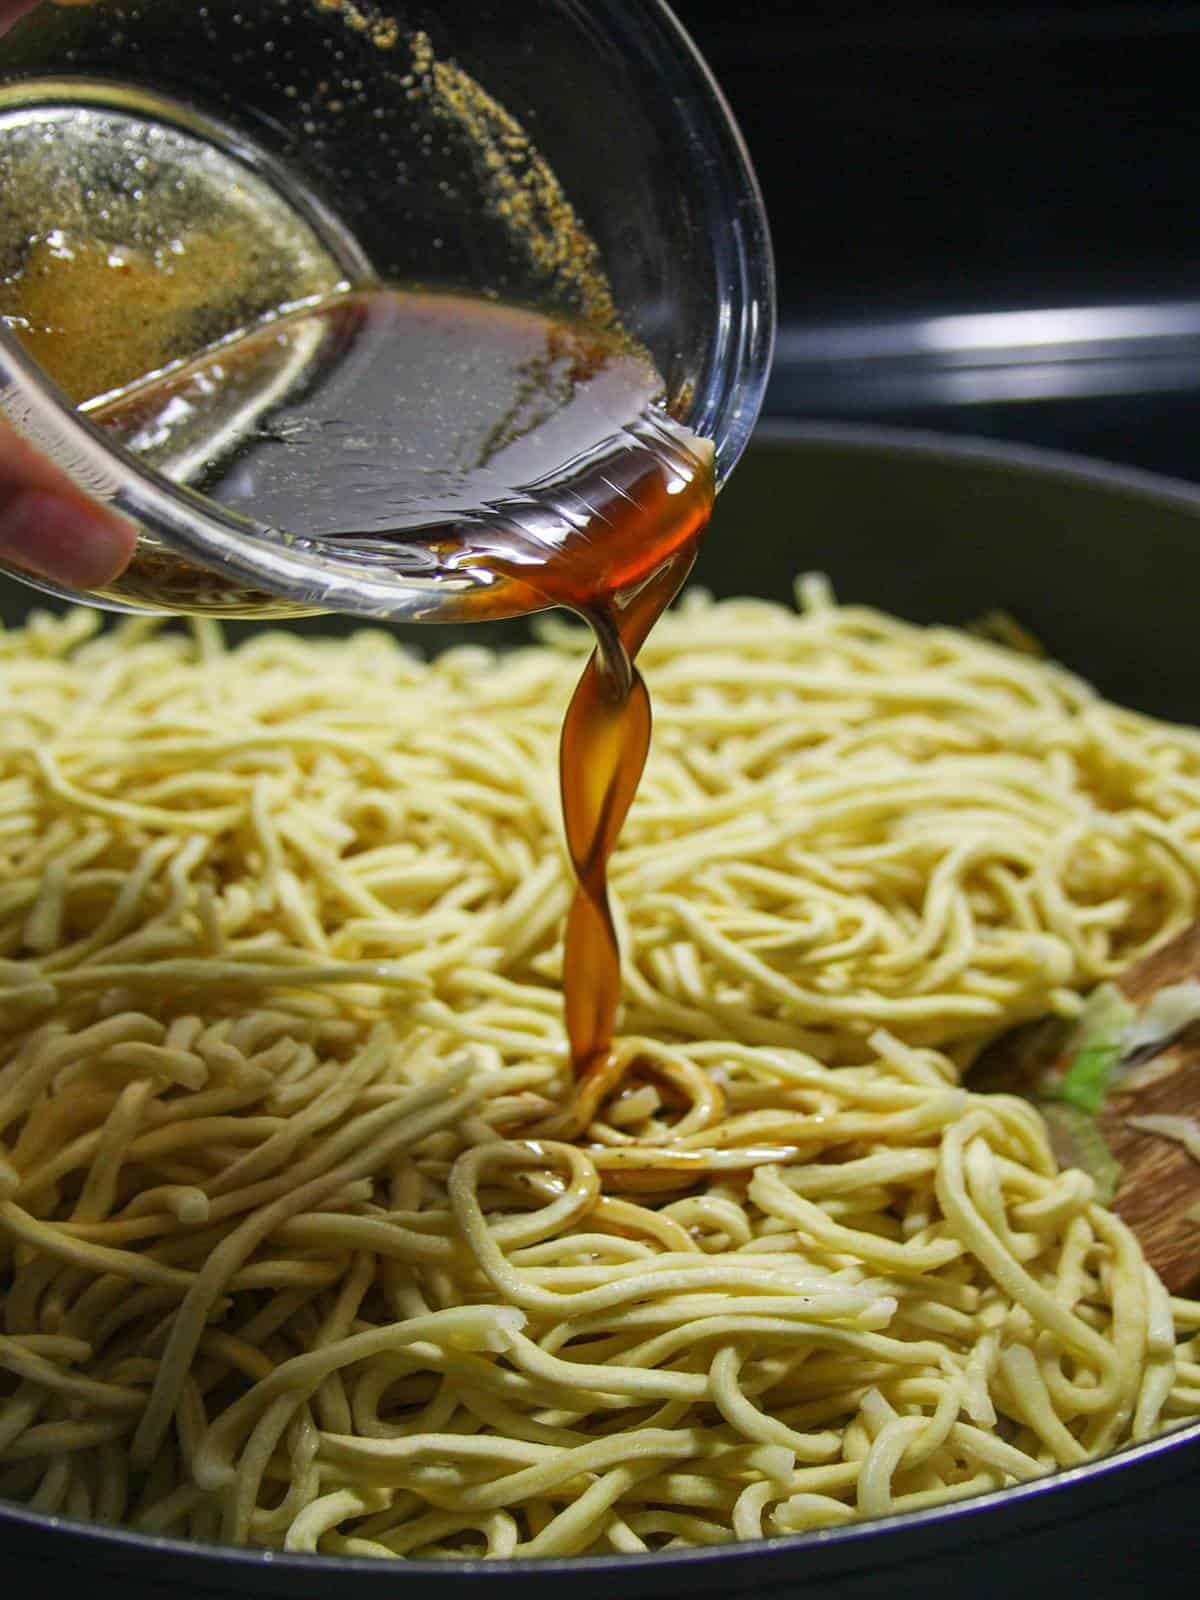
x,y
493,399
605,742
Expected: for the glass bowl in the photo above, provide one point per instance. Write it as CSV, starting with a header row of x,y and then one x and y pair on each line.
x,y
550,153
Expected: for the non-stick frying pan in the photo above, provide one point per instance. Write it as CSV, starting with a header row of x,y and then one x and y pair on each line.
x,y
1104,566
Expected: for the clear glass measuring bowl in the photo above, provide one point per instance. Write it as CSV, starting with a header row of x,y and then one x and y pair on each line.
x,y
573,155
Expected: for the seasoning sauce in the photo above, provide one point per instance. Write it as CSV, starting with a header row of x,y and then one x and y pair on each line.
x,y
606,734
525,458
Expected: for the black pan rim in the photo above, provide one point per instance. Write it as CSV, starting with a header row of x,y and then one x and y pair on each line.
x,y
217,1561
981,1519
1136,483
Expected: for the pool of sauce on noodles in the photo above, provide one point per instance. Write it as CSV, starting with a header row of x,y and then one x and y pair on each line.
x,y
523,392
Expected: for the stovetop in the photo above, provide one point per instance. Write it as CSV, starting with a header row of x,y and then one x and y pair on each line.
x,y
985,217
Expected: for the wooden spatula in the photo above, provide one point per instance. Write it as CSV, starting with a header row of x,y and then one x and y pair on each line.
x,y
1097,1082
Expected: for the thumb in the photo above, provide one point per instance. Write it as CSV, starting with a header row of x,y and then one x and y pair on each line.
x,y
12,11
49,528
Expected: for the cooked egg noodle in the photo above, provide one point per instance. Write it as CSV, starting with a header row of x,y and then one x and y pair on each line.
x,y
307,1242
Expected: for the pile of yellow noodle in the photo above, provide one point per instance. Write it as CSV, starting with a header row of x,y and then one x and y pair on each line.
x,y
300,1244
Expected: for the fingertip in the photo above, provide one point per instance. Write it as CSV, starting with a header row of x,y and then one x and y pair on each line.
x,y
64,540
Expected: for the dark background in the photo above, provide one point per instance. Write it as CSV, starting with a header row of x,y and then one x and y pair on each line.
x,y
923,161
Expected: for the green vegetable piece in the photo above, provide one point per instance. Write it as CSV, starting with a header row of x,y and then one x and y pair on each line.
x,y
1078,1142
1100,1048
1086,1080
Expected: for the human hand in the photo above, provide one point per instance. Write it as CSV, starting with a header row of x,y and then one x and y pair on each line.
x,y
13,10
47,525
